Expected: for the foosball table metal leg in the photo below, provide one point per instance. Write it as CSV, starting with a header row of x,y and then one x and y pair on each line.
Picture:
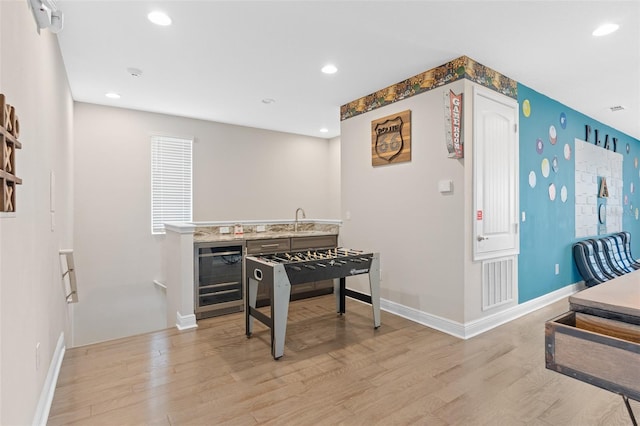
x,y
279,311
374,286
626,402
337,293
252,296
341,295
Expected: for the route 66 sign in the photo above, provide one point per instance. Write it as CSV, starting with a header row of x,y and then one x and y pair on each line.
x,y
391,139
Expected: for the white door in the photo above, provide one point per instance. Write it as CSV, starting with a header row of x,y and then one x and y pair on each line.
x,y
495,154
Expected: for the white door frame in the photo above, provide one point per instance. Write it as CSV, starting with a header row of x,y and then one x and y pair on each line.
x,y
478,237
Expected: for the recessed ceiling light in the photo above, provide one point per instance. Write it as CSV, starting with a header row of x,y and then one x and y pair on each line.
x,y
268,101
159,18
112,95
329,69
324,130
605,29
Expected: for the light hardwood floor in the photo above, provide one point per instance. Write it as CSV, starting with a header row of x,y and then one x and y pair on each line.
x,y
335,371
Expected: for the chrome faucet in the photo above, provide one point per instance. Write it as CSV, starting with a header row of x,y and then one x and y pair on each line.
x,y
304,216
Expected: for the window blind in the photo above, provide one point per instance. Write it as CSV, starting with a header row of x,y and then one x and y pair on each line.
x,y
170,181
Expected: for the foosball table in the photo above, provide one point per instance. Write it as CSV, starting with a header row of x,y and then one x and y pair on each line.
x,y
280,271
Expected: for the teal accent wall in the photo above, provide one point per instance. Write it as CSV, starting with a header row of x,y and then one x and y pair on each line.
x,y
548,232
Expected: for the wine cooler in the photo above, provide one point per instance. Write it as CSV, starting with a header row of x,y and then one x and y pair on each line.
x,y
218,279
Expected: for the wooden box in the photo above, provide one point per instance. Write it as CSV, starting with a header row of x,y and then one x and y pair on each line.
x,y
600,351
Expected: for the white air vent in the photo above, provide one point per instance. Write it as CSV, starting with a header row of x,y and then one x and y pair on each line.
x,y
497,282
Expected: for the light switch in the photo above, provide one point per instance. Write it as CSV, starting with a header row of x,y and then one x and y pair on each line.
x,y
445,185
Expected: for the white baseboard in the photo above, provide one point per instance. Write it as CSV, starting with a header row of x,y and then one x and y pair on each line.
x,y
473,328
49,387
481,325
453,328
185,322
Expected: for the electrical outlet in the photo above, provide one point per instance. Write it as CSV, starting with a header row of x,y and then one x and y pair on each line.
x,y
37,356
224,229
557,269
261,228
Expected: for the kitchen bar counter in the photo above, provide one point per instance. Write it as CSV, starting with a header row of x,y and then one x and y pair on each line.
x,y
181,240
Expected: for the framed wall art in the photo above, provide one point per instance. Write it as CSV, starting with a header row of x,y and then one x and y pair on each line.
x,y
391,139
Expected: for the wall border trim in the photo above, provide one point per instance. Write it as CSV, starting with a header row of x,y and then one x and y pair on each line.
x,y
459,68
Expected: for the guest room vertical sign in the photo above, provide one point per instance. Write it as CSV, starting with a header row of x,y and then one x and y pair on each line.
x,y
453,124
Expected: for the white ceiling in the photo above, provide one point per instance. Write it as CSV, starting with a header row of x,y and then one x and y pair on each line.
x,y
219,59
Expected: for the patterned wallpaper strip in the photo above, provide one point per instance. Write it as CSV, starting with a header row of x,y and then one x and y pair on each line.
x,y
462,67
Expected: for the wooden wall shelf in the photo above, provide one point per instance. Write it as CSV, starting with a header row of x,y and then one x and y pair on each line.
x,y
9,132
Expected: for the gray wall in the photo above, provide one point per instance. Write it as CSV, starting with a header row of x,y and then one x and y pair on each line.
x,y
424,236
397,209
32,298
239,173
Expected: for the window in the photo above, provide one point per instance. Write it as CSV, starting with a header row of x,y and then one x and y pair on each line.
x,y
170,181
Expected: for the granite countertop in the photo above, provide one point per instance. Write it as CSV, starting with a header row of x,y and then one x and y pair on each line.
x,y
271,231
